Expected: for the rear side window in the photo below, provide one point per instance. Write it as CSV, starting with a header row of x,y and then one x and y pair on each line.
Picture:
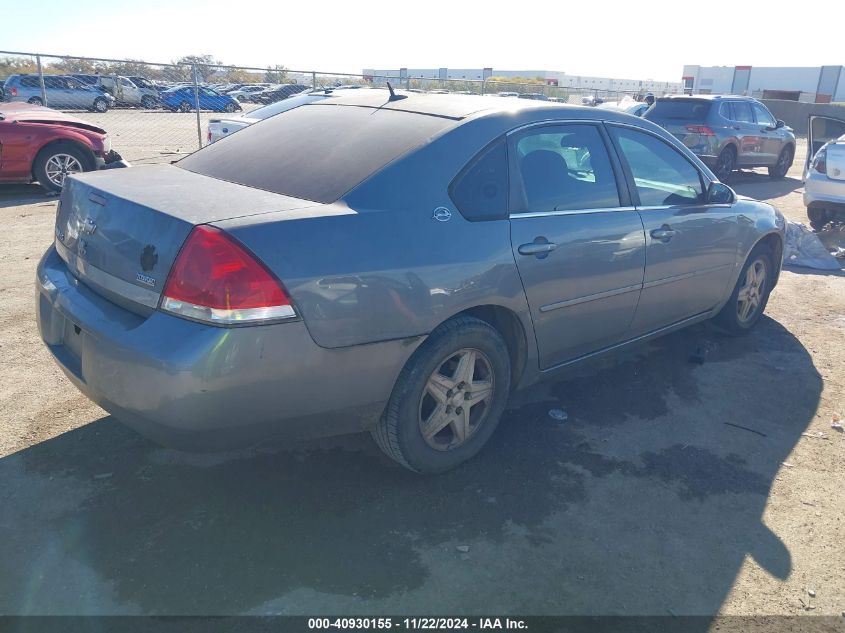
x,y
563,168
316,152
480,192
30,82
662,175
682,109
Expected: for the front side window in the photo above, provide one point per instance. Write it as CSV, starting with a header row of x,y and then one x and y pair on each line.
x,y
764,117
480,192
563,168
742,112
662,175
53,82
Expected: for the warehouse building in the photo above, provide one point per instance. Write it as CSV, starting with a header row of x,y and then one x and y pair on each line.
x,y
813,84
551,78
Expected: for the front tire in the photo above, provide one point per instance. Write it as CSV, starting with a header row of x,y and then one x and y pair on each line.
x,y
55,162
725,164
750,295
780,169
230,107
101,105
184,107
148,102
448,399
35,101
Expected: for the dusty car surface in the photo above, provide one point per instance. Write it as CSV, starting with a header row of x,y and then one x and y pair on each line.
x,y
824,171
393,264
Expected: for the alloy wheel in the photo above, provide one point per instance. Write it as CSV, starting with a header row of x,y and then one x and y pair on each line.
x,y
724,165
752,291
59,166
456,399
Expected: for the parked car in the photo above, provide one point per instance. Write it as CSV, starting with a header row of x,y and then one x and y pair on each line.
x,y
143,82
126,92
277,94
218,128
824,171
727,132
629,106
183,100
535,96
44,145
392,264
62,92
245,92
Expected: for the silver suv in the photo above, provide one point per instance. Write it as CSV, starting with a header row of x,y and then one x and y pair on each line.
x,y
727,132
62,92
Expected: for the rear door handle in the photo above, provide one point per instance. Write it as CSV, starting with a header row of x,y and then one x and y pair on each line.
x,y
537,248
664,233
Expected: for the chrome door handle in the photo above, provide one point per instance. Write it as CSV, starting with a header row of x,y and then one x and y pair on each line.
x,y
537,248
664,233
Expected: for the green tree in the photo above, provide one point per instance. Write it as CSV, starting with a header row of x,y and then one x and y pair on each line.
x,y
277,74
204,65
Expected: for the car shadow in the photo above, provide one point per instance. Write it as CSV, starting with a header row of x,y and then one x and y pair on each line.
x,y
19,195
644,500
759,186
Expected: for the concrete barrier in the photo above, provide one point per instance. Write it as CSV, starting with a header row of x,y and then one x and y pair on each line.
x,y
795,113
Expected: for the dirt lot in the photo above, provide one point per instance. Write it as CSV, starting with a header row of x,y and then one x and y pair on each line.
x,y
644,501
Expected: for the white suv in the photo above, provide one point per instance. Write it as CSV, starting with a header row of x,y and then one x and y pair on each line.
x,y
824,173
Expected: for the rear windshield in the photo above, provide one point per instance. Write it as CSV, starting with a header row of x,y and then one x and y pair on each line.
x,y
685,109
316,152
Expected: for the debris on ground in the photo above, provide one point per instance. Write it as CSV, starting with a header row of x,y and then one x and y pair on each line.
x,y
836,423
558,414
103,475
817,435
788,465
804,248
463,548
811,593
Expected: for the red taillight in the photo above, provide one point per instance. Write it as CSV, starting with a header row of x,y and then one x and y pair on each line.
x,y
700,129
216,279
14,92
820,162
208,136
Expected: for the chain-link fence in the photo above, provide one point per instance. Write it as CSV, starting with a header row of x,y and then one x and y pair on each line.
x,y
159,112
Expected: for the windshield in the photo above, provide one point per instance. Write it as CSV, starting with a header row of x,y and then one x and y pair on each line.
x,y
317,152
685,109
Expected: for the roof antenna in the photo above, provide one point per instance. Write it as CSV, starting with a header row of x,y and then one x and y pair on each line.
x,y
393,95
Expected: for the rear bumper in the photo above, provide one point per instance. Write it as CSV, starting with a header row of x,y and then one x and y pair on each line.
x,y
201,387
819,189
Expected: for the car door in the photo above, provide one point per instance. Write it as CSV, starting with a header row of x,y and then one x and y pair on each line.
x,y
772,137
577,241
57,92
747,133
821,130
691,246
130,93
15,142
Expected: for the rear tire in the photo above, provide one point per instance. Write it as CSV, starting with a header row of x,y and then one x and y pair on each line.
x,y
781,168
184,107
35,101
465,360
230,107
148,102
725,164
737,317
55,162
818,218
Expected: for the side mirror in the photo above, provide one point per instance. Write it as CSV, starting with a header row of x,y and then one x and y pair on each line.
x,y
779,124
720,193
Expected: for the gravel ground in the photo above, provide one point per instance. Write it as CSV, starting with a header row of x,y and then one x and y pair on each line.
x,y
644,501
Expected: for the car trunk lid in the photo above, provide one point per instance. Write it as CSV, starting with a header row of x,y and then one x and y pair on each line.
x,y
119,231
682,118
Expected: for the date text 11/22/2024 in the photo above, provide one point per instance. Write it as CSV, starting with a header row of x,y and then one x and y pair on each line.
x,y
419,623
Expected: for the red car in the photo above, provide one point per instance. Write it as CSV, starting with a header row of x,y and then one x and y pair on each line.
x,y
38,143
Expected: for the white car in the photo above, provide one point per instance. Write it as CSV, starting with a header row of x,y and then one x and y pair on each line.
x,y
824,171
630,106
218,128
244,93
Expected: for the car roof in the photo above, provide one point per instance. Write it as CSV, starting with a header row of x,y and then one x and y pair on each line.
x,y
452,106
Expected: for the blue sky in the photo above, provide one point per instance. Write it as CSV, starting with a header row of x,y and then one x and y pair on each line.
x,y
637,40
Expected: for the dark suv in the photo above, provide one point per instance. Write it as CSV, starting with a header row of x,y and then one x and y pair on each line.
x,y
727,132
